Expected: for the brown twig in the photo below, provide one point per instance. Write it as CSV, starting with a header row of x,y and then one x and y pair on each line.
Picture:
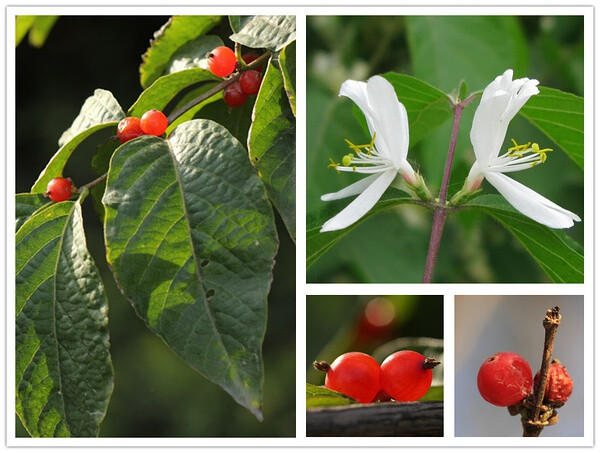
x,y
536,416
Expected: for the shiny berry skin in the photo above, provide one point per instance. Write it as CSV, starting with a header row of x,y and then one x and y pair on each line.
x,y
59,189
405,375
233,95
504,379
559,385
128,129
221,61
354,374
154,122
250,82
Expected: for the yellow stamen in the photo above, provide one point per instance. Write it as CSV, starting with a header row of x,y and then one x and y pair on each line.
x,y
347,160
333,164
356,148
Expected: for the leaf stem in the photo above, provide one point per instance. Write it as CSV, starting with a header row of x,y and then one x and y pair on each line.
x,y
221,86
439,215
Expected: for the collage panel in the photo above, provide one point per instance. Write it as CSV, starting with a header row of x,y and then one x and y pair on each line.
x,y
501,344
154,243
375,366
434,154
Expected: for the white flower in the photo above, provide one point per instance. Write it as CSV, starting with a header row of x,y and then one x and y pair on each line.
x,y
383,159
500,102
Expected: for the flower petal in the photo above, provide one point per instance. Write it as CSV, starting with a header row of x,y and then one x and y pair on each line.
x,y
489,129
530,203
352,189
357,91
390,118
361,204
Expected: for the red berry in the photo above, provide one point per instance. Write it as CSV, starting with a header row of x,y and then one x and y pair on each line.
x,y
221,61
128,129
406,375
250,57
354,374
154,122
559,385
59,189
233,95
250,82
504,379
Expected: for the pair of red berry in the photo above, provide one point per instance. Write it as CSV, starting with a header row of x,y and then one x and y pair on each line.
x,y
505,378
403,376
222,62
153,122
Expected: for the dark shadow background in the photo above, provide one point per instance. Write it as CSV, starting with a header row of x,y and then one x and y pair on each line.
x,y
156,393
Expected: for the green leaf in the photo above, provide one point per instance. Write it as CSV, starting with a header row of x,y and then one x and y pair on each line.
x,y
193,54
64,375
559,115
22,25
237,121
318,243
287,61
555,255
26,204
38,27
272,145
237,22
317,396
177,32
59,160
442,49
101,108
269,32
426,106
166,88
41,29
191,239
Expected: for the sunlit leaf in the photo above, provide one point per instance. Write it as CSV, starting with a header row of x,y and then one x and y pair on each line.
x,y
190,236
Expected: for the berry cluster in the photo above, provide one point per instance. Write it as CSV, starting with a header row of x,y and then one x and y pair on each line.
x,y
505,379
403,376
222,62
153,122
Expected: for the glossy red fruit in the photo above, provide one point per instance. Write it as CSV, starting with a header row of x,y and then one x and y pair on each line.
x,y
128,129
504,379
406,375
354,374
233,95
559,385
221,61
59,189
250,82
154,122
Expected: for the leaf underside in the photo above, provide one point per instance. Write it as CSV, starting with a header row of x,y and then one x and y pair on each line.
x,y
268,32
64,375
191,239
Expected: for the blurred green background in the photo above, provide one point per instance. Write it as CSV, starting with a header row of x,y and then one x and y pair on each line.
x,y
375,325
442,51
156,393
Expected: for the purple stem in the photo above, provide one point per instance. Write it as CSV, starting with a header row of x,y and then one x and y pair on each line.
x,y
439,215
